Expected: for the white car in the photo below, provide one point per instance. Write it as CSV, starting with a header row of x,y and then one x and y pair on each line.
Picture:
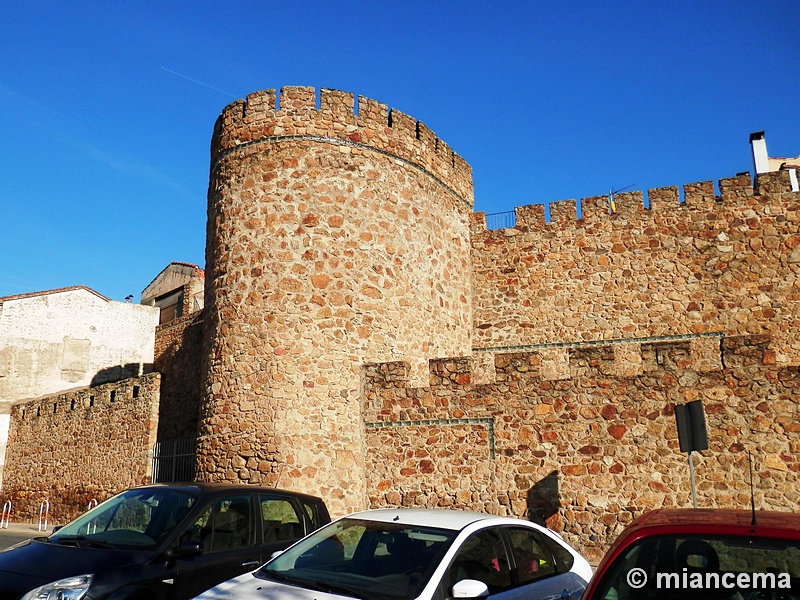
x,y
404,554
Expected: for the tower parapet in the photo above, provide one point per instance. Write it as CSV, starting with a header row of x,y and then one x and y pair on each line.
x,y
267,116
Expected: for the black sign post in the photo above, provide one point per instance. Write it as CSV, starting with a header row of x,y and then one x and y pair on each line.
x,y
692,436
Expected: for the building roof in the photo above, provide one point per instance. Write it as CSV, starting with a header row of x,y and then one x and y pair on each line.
x,y
188,270
50,292
198,271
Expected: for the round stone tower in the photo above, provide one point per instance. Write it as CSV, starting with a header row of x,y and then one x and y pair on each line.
x,y
336,237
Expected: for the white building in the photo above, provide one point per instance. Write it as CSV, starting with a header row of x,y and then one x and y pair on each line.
x,y
764,163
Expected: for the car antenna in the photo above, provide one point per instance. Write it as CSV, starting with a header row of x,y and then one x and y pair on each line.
x,y
752,492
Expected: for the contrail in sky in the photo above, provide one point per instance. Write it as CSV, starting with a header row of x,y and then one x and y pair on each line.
x,y
200,82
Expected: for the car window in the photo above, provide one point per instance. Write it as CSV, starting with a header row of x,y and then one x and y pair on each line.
x,y
280,520
363,559
226,524
133,514
532,558
482,556
564,559
141,518
312,510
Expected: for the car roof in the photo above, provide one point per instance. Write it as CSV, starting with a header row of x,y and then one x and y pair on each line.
x,y
720,517
708,521
215,487
442,518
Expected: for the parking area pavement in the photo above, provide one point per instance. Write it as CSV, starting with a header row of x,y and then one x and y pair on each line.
x,y
19,532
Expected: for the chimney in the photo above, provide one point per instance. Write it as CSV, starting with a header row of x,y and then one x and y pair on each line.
x,y
758,145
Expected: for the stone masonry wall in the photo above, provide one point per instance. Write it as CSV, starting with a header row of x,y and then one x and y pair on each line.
x,y
335,237
583,438
727,263
82,445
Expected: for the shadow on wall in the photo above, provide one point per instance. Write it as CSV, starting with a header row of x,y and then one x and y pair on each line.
x,y
120,372
179,357
543,500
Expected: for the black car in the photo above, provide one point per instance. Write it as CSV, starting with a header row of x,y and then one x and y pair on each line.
x,y
164,541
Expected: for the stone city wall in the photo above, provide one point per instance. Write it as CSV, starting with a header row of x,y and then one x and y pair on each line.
x,y
583,438
727,263
81,445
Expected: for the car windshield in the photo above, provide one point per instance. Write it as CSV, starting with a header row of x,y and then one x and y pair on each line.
x,y
703,566
136,519
363,559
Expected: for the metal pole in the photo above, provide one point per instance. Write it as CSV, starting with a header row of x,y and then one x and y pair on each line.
x,y
691,476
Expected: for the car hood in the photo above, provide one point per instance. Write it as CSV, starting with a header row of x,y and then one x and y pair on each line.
x,y
250,587
48,561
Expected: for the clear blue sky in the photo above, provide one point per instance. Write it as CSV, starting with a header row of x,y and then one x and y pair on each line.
x,y
108,107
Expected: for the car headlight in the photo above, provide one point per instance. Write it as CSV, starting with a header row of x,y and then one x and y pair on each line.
x,y
69,588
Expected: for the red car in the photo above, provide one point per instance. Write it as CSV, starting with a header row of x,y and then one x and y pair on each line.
x,y
702,553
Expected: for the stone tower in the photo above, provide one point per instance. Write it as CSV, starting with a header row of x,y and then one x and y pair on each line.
x,y
338,235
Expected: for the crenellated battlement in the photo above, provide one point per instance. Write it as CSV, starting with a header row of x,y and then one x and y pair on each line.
x,y
267,116
623,358
733,192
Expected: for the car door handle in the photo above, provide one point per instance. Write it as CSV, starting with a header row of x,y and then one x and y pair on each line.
x,y
251,564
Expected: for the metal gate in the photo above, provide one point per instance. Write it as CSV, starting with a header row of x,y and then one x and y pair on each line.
x,y
173,460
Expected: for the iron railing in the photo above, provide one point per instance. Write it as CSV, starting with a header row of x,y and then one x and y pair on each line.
x,y
501,220
173,460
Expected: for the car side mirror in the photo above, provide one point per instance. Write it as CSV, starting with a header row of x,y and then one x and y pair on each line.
x,y
56,528
470,588
275,554
184,550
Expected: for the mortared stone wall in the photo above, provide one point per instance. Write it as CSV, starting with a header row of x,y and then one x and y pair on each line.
x,y
81,445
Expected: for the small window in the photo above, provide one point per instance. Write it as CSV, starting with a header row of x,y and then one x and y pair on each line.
x,y
91,400
136,391
113,396
170,306
168,313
